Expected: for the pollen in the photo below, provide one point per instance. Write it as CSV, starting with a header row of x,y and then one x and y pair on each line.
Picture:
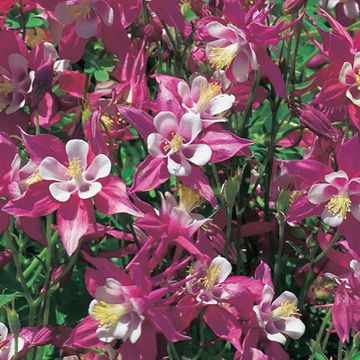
x,y
211,277
188,198
107,120
207,93
221,58
6,86
357,78
75,168
175,144
285,311
108,314
339,205
79,10
33,178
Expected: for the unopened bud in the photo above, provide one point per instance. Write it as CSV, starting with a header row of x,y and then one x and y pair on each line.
x,y
291,6
14,322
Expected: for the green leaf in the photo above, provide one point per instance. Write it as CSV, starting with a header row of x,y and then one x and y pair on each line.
x,y
101,75
7,298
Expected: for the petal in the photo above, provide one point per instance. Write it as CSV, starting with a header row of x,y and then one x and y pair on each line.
x,y
240,67
99,168
87,190
294,328
331,220
320,193
51,169
165,123
105,11
122,328
198,154
355,209
154,144
87,27
351,9
18,67
220,104
136,330
354,186
339,179
190,126
286,296
63,14
61,191
77,149
277,337
181,168
354,95
357,61
3,332
199,83
346,72
224,266
218,30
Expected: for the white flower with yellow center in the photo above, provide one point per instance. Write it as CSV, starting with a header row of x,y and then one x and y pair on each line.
x,y
350,77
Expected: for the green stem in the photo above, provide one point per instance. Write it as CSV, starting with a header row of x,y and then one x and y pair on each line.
x,y
277,268
320,334
333,241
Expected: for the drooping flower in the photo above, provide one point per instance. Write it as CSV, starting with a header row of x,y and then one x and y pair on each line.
x,y
351,8
350,77
279,318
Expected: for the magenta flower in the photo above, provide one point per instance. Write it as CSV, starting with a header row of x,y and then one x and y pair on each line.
x,y
205,99
117,312
85,14
279,317
76,175
7,343
350,77
230,50
15,84
176,141
350,7
341,196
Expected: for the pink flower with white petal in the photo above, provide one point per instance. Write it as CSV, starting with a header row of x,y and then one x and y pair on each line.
x,y
205,99
231,50
207,287
15,84
77,175
279,318
85,14
118,313
7,343
341,196
350,76
176,141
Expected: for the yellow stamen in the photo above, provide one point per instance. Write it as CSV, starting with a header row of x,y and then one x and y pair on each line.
x,y
285,311
221,58
294,195
107,120
33,178
79,10
211,277
175,144
188,198
207,93
339,205
109,314
357,78
6,86
75,168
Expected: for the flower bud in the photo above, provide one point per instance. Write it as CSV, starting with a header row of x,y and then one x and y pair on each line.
x,y
317,61
291,6
14,322
5,257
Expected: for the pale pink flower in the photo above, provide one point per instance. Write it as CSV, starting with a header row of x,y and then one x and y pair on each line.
x,y
117,312
7,345
350,76
15,84
205,99
77,175
341,196
175,141
231,50
279,317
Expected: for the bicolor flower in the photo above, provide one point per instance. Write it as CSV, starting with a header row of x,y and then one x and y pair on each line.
x,y
118,313
231,50
279,318
205,99
341,196
15,84
7,343
350,77
176,141
75,176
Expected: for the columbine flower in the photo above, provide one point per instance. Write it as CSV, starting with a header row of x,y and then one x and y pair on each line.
x,y
340,196
350,76
175,141
207,287
77,175
85,14
351,7
7,345
15,84
279,317
230,50
206,99
117,312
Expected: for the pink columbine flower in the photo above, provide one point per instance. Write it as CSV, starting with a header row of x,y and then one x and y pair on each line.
x,y
341,196
15,84
350,76
230,50
77,175
117,312
7,344
85,14
351,7
280,317
175,141
207,286
205,99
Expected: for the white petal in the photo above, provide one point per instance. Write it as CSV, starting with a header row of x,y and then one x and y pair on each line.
x,y
178,169
345,70
294,328
331,220
87,190
189,127
320,193
220,104
277,337
224,266
61,191
77,149
154,143
99,168
165,123
200,154
51,169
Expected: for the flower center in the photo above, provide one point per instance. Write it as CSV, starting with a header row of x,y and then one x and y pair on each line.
x,y
339,205
107,120
175,144
357,78
211,277
221,58
75,168
207,93
285,311
6,86
32,179
79,10
188,199
109,314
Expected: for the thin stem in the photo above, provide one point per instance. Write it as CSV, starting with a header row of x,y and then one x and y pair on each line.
x,y
277,268
333,241
320,334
